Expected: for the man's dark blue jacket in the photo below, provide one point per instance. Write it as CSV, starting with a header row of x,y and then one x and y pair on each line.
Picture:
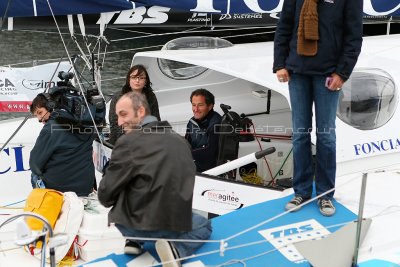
x,y
339,44
204,140
64,159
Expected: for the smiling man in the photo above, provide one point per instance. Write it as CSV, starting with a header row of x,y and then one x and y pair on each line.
x,y
201,132
149,184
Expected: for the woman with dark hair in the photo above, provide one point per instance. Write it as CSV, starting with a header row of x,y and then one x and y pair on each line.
x,y
137,80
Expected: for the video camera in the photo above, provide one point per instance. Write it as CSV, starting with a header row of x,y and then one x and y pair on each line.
x,y
70,106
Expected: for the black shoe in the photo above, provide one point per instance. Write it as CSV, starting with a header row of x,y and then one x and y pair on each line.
x,y
167,253
132,247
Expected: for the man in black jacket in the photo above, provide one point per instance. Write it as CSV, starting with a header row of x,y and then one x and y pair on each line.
x,y
201,130
149,183
316,46
61,158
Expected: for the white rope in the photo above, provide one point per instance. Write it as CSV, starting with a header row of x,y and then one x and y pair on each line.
x,y
186,31
100,237
81,23
70,20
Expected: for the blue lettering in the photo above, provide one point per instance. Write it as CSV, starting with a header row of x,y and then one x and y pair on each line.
x,y
383,146
357,149
375,145
276,234
368,147
291,231
305,228
105,160
19,162
8,153
391,144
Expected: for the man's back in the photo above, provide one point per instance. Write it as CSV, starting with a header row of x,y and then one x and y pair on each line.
x,y
64,159
154,191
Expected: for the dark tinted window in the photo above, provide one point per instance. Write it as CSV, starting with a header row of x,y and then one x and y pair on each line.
x,y
368,99
182,71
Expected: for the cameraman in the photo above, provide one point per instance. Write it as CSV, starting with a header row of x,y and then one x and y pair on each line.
x,y
62,155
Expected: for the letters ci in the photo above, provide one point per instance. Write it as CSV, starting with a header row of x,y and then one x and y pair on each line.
x,y
19,163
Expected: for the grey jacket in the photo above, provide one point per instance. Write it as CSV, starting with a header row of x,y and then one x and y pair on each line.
x,y
149,181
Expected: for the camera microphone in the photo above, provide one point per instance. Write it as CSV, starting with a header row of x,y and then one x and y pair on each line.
x,y
65,75
223,106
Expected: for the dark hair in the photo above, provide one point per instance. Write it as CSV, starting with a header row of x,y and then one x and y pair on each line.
x,y
207,95
138,100
140,70
40,101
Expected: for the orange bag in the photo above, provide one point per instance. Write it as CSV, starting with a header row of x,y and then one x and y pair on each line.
x,y
46,202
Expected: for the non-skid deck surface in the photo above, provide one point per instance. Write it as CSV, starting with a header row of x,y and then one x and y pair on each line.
x,y
272,239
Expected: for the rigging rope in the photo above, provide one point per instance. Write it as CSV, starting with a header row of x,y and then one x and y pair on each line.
x,y
73,65
5,15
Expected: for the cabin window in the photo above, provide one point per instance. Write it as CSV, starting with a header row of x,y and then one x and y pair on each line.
x,y
368,99
179,70
183,71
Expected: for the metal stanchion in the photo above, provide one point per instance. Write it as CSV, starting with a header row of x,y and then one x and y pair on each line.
x,y
360,219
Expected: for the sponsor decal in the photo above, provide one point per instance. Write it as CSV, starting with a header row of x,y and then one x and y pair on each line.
x,y
374,147
7,87
140,15
229,200
19,86
241,16
101,155
14,106
6,83
283,237
199,17
37,84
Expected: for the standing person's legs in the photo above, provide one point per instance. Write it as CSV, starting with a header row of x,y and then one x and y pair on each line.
x,y
301,100
325,115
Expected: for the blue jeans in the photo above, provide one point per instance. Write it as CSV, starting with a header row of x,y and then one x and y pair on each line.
x,y
201,230
304,91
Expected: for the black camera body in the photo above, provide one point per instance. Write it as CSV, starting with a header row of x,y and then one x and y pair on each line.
x,y
71,107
